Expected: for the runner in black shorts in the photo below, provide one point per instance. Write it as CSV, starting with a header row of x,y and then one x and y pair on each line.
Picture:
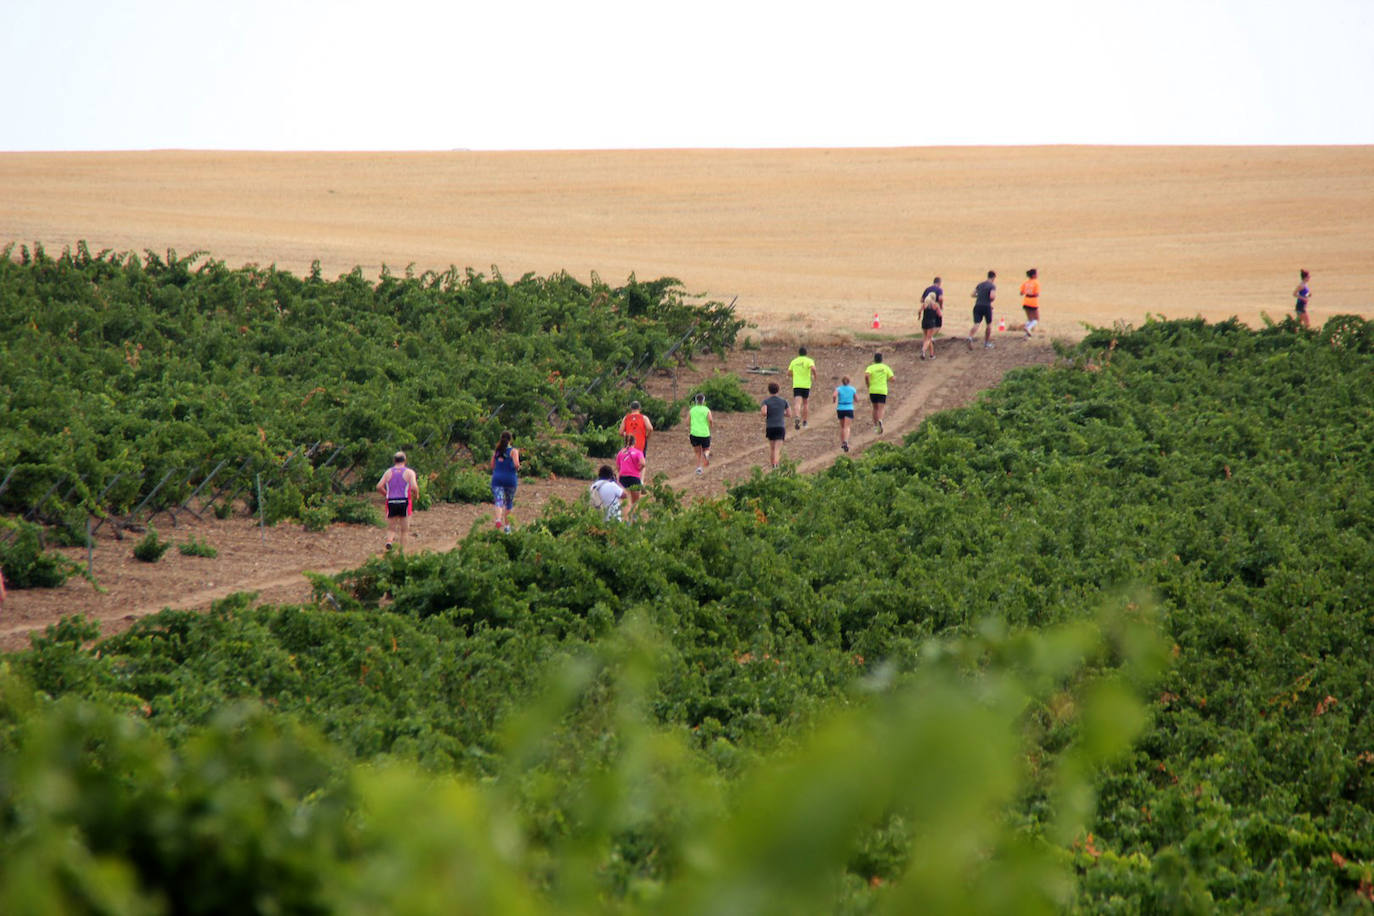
x,y
775,411
699,431
802,367
984,294
400,486
629,462
932,317
1302,295
844,410
876,377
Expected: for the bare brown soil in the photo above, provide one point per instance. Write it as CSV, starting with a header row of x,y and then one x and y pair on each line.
x,y
271,563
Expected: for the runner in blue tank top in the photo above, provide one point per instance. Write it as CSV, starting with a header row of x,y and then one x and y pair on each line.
x,y
505,477
844,409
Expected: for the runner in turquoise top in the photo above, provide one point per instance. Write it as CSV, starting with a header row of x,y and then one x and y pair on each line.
x,y
699,431
844,410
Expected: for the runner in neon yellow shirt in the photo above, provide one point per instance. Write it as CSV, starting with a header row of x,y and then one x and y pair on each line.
x,y
699,431
801,368
876,376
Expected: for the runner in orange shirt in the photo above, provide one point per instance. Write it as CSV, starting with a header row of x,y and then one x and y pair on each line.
x,y
636,424
1030,300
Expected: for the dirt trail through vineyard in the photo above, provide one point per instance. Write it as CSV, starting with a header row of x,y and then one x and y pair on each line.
x,y
272,563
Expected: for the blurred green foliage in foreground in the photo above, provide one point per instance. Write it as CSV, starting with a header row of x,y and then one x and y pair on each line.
x,y
252,813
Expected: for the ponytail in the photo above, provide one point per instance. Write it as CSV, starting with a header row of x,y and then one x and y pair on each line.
x,y
502,446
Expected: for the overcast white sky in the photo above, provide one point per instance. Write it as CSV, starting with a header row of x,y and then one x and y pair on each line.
x,y
587,74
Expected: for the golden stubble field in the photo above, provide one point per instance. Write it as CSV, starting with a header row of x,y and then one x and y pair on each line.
x,y
811,241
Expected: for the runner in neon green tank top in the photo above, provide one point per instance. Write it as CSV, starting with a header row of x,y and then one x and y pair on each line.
x,y
801,368
876,377
699,431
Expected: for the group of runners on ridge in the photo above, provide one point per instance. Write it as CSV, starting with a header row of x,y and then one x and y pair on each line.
x,y
613,484
400,486
776,411
932,310
625,478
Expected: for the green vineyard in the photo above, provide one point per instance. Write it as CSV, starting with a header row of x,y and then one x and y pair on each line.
x,y
1099,643
135,384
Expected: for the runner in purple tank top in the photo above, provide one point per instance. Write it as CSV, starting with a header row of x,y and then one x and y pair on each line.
x,y
400,487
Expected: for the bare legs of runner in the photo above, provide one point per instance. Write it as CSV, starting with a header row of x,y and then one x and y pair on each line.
x,y
397,527
987,334
703,457
878,410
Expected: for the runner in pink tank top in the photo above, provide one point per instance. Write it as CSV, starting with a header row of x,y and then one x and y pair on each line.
x,y
629,463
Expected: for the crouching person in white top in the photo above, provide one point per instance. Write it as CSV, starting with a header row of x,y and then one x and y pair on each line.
x,y
606,494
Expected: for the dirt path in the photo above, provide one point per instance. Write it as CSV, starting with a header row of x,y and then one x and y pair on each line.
x,y
271,563
920,388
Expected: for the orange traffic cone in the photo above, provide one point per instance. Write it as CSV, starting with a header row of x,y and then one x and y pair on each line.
x,y
876,323
1002,324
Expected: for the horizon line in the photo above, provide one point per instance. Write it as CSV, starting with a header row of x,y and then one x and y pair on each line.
x,y
684,149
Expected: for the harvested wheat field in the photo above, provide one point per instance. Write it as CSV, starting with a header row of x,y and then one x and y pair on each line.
x,y
811,241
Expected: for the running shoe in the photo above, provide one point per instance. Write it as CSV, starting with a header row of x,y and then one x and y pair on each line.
x,y
988,345
796,424
880,427
803,424
698,472
844,446
970,342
